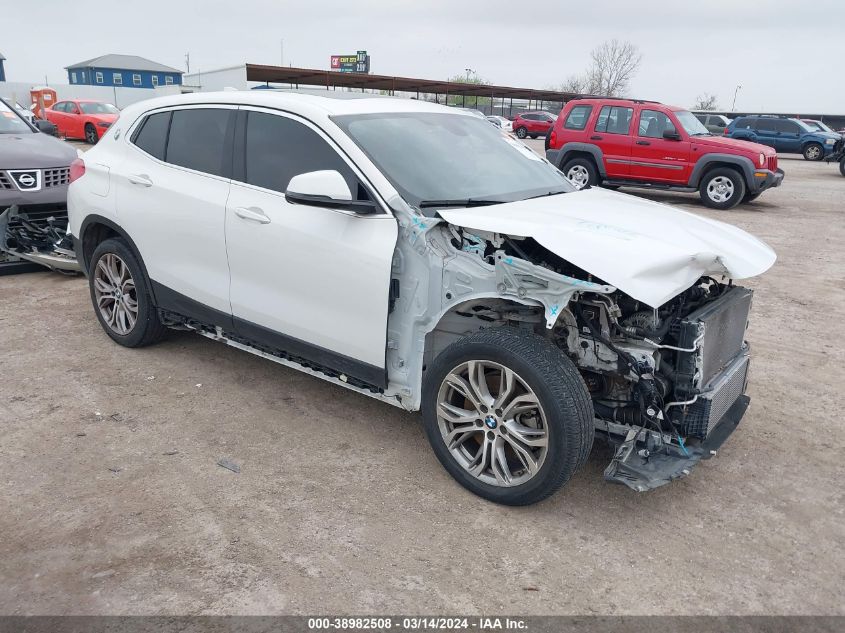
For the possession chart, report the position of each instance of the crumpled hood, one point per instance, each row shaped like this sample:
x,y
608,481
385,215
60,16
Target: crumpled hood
x,y
36,150
648,250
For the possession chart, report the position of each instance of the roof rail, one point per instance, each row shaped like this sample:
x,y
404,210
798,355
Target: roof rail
x,y
613,99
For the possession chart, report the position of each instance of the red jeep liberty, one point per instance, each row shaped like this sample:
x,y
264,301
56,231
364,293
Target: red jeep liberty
x,y
633,143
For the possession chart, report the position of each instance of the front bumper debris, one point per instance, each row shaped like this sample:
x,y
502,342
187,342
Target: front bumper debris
x,y
37,235
642,469
766,179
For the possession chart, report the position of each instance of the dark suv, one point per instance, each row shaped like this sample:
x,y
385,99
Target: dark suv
x,y
34,176
785,135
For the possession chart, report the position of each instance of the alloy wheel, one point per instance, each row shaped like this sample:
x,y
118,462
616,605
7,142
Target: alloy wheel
x,y
578,176
813,152
90,135
115,294
492,423
720,189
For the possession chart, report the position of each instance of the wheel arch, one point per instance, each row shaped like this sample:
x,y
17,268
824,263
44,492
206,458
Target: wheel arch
x,y
573,150
708,162
94,230
463,317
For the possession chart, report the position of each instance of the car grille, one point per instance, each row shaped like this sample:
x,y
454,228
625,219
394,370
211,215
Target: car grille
x,y
51,177
705,413
56,177
772,163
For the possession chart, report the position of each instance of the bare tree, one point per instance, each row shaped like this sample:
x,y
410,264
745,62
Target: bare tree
x,y
578,84
613,65
706,101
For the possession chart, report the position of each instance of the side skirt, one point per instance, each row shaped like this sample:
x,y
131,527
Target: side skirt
x,y
341,380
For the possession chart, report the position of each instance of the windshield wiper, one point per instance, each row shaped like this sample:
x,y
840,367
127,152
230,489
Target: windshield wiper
x,y
466,202
548,193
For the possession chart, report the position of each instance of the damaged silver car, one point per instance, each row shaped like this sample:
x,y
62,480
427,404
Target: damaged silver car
x,y
34,176
418,255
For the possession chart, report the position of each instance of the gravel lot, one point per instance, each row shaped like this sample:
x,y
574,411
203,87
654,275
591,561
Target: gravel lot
x,y
113,503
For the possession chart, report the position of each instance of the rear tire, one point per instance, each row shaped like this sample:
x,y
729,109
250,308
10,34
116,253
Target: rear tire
x,y
722,188
91,134
120,295
581,172
842,166
521,132
813,152
507,456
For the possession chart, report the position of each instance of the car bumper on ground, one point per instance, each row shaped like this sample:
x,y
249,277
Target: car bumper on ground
x,y
642,470
765,179
36,234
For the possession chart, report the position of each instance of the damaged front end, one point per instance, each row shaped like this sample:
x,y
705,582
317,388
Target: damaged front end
x,y
36,234
667,383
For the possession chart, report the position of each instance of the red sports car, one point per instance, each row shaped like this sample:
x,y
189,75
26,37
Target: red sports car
x,y
82,118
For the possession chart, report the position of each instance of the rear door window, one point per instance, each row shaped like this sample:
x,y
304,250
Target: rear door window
x,y
614,120
152,134
197,139
577,117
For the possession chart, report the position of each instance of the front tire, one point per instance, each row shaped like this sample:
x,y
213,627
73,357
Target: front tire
x,y
722,188
813,152
521,132
842,166
508,415
122,301
91,134
581,172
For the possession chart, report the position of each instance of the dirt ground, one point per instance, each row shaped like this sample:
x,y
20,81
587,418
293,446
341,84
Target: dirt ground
x,y
112,501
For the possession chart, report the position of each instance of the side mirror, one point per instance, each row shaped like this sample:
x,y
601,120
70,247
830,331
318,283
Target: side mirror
x,y
326,188
671,135
46,127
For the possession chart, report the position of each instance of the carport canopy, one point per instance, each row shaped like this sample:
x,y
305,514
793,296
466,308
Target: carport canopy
x,y
333,79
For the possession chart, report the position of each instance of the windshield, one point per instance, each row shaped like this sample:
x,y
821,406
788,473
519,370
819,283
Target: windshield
x,y
817,126
98,108
691,124
11,122
433,156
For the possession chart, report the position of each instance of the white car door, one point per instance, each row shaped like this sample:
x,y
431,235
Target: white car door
x,y
172,202
311,281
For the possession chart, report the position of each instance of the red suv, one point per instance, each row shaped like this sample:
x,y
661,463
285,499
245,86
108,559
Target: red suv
x,y
620,142
533,124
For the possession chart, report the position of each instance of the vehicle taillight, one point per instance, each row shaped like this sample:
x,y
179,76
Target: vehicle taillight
x,y
725,132
77,169
552,138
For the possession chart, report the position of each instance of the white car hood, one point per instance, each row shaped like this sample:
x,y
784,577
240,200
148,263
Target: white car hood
x,y
648,250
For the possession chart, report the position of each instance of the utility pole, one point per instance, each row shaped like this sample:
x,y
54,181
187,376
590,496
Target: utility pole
x,y
282,53
469,70
187,63
733,105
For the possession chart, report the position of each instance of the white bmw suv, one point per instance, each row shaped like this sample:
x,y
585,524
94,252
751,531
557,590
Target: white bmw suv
x,y
416,254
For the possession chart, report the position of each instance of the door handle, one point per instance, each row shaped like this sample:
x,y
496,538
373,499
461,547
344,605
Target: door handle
x,y
596,137
252,213
643,142
140,179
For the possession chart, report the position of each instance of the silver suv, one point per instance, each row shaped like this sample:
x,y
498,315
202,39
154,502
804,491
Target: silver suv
x,y
34,176
417,254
